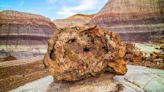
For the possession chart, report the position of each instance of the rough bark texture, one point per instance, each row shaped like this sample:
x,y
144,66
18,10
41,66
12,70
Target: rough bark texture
x,y
24,31
134,20
19,72
76,54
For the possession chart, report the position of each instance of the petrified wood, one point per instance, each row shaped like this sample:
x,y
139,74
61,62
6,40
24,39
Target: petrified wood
x,y
19,72
76,54
133,54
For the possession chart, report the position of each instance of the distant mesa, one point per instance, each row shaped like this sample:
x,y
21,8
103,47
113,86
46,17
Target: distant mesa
x,y
81,16
134,20
24,32
75,20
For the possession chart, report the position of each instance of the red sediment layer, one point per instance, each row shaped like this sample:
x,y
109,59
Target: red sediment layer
x,y
131,17
23,40
122,21
18,28
140,37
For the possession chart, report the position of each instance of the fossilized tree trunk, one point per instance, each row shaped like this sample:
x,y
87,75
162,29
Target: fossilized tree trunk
x,y
76,54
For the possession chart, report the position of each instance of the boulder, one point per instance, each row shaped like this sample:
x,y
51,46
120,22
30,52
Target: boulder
x,y
75,54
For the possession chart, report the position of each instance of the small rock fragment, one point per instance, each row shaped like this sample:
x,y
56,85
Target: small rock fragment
x,y
133,54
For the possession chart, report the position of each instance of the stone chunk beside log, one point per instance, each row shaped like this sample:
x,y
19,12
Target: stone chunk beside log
x,y
74,54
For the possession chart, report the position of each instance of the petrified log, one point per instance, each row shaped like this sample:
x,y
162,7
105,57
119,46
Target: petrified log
x,y
76,54
134,20
19,72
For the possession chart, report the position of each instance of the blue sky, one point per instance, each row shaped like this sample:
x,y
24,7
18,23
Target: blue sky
x,y
54,9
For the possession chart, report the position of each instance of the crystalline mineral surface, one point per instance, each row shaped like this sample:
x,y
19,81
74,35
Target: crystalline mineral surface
x,y
75,54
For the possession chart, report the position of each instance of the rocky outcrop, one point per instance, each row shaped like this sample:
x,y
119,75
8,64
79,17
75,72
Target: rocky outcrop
x,y
137,79
134,20
75,20
103,83
141,79
76,54
24,31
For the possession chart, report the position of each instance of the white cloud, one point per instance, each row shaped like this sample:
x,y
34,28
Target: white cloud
x,y
66,12
84,5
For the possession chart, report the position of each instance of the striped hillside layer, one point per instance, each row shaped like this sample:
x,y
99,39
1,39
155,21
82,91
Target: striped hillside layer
x,y
24,31
134,20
